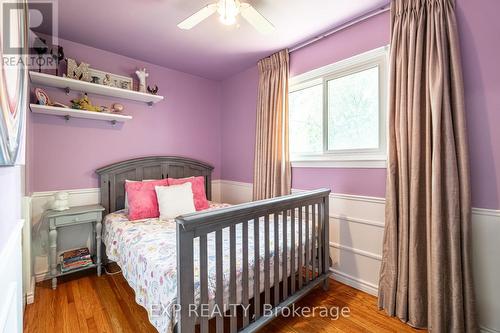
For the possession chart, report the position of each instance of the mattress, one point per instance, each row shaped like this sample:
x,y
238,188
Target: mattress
x,y
146,252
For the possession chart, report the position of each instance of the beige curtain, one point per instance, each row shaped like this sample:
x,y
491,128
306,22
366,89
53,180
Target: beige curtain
x,y
272,171
425,277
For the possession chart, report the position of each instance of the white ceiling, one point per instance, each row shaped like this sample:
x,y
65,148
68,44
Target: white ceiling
x,y
147,30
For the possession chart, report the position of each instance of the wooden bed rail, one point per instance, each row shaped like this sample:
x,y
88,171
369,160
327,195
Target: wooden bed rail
x,y
303,220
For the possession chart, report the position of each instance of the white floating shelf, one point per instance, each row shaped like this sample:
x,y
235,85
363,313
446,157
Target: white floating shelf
x,y
68,113
92,88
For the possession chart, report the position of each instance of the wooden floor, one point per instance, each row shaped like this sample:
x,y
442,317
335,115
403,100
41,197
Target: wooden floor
x,y
87,303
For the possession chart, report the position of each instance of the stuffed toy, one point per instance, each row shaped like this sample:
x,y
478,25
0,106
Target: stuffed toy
x,y
84,103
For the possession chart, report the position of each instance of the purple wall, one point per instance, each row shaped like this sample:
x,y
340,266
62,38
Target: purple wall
x,y
362,37
215,121
64,155
478,29
239,97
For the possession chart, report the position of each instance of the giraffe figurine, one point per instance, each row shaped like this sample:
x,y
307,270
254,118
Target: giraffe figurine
x,y
142,75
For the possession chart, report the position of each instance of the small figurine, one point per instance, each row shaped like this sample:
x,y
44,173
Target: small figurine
x,y
153,91
107,80
84,104
142,75
60,201
125,85
40,47
57,57
117,107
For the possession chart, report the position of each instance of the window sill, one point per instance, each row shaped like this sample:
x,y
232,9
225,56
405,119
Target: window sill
x,y
329,163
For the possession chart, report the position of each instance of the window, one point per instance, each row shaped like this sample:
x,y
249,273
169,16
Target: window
x,y
338,113
308,122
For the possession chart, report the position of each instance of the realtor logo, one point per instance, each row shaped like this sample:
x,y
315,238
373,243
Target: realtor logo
x,y
34,41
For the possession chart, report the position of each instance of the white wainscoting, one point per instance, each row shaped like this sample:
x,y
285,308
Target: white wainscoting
x,y
356,233
216,191
11,293
28,277
486,265
235,192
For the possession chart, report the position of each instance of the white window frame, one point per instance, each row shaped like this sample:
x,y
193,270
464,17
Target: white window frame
x,y
352,158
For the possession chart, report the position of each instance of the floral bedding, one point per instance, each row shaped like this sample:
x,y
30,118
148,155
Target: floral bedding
x,y
146,252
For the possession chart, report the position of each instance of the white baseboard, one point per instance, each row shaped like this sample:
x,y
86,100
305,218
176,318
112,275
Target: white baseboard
x,y
30,295
484,329
42,276
355,282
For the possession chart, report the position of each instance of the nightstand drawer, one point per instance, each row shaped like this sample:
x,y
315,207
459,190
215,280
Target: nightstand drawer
x,y
76,219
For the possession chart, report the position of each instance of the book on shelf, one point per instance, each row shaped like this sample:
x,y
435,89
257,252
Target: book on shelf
x,y
76,253
75,259
68,269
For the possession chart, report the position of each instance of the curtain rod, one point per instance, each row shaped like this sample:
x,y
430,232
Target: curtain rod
x,y
343,26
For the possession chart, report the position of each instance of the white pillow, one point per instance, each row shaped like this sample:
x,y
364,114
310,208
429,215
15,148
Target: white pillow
x,y
175,200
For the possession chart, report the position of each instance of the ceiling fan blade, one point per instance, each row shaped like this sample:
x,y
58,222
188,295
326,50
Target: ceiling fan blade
x,y
253,17
197,17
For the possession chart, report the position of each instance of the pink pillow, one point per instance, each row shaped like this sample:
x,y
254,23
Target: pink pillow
x,y
142,201
198,186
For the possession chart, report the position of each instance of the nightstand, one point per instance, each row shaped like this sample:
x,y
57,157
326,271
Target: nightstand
x,y
91,214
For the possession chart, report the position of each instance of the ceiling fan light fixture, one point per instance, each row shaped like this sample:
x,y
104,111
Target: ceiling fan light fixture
x,y
228,10
227,20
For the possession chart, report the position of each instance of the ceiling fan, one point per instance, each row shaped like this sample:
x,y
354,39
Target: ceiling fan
x,y
228,10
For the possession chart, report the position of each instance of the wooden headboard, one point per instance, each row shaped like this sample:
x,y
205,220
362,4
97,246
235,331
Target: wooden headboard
x,y
112,177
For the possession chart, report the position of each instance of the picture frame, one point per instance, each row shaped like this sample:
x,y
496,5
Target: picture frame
x,y
117,81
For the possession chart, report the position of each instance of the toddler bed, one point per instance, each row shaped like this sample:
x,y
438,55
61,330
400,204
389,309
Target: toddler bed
x,y
187,270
